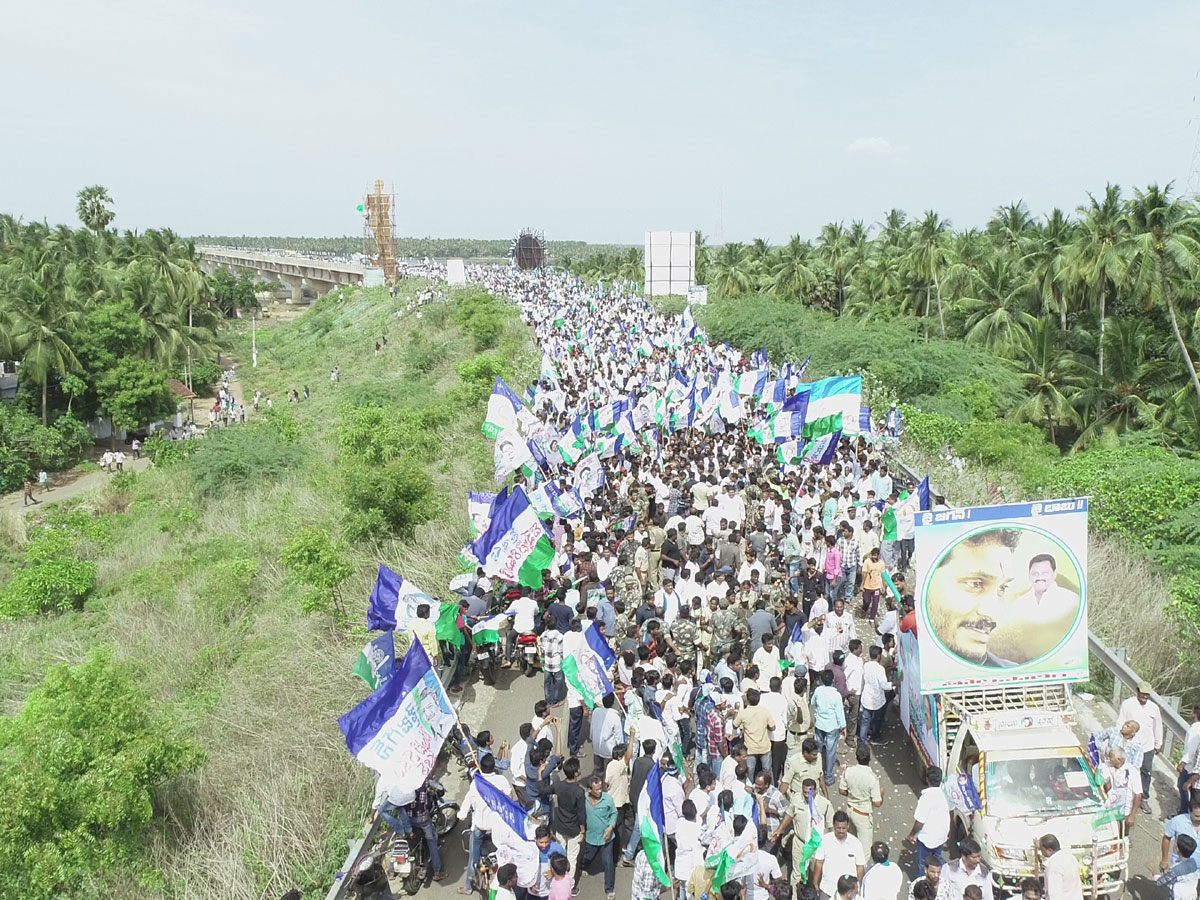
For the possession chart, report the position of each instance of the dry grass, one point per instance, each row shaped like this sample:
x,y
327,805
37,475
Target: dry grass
x,y
12,529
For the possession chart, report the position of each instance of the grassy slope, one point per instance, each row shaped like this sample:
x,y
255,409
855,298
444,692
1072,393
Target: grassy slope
x,y
191,591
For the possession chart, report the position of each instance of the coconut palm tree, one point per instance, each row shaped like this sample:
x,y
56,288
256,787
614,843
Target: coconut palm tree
x,y
1053,375
1138,379
791,274
734,273
1164,252
928,257
1047,258
998,313
1097,255
41,314
837,252
1011,226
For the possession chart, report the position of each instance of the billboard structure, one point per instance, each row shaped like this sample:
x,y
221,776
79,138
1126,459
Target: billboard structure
x,y
1002,595
670,262
456,272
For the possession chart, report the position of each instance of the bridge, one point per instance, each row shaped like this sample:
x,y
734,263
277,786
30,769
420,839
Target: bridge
x,y
321,275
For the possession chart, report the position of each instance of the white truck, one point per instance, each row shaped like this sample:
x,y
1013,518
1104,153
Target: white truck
x,y
1014,769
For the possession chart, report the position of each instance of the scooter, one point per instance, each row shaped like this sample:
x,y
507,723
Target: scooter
x,y
527,653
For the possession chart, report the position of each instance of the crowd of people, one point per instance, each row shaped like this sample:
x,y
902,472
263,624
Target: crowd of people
x,y
752,602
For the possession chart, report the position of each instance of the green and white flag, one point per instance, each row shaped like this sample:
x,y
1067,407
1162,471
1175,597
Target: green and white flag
x,y
833,405
488,631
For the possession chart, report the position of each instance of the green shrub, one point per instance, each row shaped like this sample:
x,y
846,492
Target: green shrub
x,y
482,316
205,373
394,497
1020,448
14,469
241,456
373,434
56,575
911,366
1135,492
79,765
165,453
320,563
420,355
931,431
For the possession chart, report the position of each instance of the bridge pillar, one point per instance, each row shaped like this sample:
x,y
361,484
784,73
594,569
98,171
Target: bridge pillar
x,y
296,283
321,287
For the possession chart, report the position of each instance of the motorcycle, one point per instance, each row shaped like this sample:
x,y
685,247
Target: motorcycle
x,y
406,856
527,653
368,880
490,656
488,863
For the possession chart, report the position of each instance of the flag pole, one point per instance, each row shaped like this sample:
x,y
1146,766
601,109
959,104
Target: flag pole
x,y
457,721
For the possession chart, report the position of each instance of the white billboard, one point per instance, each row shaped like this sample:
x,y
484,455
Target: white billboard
x,y
456,272
670,262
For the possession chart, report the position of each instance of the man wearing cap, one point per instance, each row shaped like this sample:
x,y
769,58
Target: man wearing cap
x,y
1141,709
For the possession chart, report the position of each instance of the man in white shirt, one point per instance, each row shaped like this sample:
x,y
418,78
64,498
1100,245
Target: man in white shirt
x,y
840,854
766,658
482,817
774,702
931,821
1141,709
524,610
667,599
1061,869
883,879
1123,787
1189,766
873,699
839,627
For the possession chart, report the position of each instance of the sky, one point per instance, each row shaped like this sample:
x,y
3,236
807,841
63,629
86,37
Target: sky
x,y
589,121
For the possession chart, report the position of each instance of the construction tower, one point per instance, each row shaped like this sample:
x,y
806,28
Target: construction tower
x,y
379,231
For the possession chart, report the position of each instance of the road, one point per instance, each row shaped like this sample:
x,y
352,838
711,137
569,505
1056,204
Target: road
x,y
503,708
65,485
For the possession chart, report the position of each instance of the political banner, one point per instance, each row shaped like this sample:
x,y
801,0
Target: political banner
x,y
1002,594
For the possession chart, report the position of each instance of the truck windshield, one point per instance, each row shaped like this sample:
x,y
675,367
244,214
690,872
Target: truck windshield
x,y
1038,782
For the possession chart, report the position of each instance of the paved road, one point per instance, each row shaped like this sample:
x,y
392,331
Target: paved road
x,y
504,707
63,489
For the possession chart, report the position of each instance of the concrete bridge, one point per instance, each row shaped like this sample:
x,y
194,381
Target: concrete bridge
x,y
321,275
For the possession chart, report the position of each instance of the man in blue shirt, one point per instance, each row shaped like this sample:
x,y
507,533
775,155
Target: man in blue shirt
x,y
1185,823
829,721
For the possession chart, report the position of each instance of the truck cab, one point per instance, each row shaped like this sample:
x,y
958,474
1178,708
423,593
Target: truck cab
x,y
1014,769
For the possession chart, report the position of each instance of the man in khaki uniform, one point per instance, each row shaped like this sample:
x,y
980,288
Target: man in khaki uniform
x,y
800,765
657,536
864,794
807,809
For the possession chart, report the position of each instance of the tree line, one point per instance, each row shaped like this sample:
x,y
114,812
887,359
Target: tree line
x,y
1096,310
96,320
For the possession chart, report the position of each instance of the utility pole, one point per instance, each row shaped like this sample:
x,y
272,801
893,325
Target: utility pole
x,y
189,352
253,339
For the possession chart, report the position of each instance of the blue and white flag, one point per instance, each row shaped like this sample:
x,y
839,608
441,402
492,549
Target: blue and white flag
x,y
398,730
394,601
799,373
599,646
821,450
479,511
507,810
864,420
504,410
589,476
653,820
759,358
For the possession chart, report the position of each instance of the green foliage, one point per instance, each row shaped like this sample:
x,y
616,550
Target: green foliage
x,y
1137,493
478,378
421,355
234,292
377,434
319,562
241,456
56,576
165,453
27,446
911,367
1020,448
391,498
79,765
930,430
482,316
283,421
134,394
205,373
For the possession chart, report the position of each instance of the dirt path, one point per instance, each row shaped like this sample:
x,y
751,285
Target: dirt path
x,y
64,487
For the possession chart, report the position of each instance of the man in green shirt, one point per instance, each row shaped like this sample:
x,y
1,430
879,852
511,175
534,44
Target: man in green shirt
x,y
864,794
598,837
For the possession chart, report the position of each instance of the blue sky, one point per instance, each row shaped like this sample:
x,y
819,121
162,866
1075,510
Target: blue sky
x,y
592,121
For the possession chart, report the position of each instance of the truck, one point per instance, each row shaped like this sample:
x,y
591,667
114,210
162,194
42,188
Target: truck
x,y
1013,770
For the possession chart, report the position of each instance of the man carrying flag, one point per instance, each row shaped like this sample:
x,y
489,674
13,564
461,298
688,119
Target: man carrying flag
x,y
492,808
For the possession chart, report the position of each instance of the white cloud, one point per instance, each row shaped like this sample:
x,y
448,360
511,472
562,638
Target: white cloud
x,y
871,146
